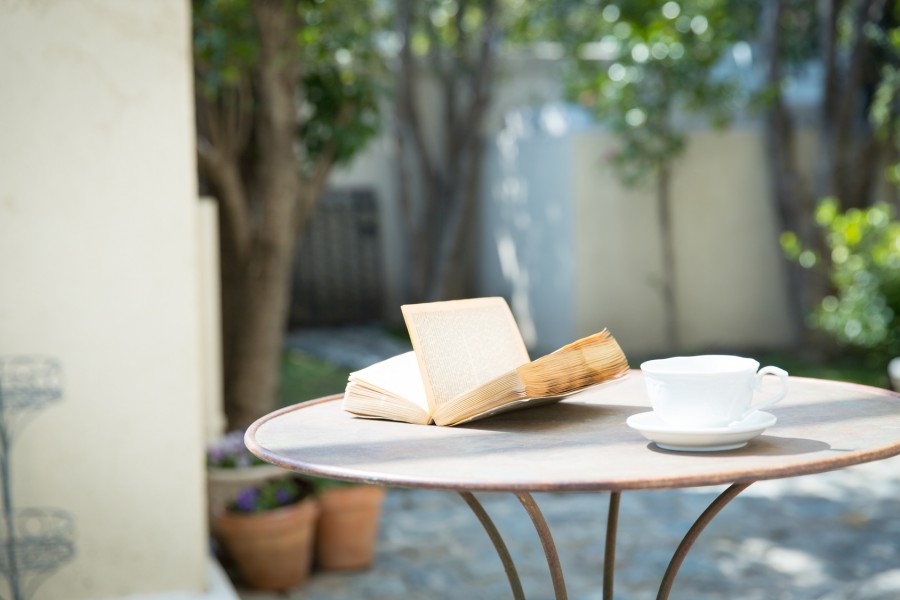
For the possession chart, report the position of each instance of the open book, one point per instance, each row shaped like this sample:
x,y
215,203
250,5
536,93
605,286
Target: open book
x,y
469,361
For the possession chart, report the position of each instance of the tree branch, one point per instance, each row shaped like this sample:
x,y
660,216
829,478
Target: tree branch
x,y
853,133
407,113
239,112
219,165
277,118
314,183
792,198
481,90
451,83
828,15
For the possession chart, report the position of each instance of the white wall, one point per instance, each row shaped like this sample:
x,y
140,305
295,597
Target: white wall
x,y
730,286
618,254
576,250
99,269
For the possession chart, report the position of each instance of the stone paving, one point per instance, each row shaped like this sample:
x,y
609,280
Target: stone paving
x,y
832,536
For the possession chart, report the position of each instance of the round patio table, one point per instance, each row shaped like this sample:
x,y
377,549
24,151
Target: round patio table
x,y
580,444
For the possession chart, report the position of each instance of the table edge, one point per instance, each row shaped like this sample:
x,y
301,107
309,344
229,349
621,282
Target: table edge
x,y
740,476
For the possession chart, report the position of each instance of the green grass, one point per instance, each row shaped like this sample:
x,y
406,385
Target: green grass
x,y
855,370
304,377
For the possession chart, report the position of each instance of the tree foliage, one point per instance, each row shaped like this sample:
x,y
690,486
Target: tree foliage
x,y
885,109
853,45
642,64
863,251
860,253
339,67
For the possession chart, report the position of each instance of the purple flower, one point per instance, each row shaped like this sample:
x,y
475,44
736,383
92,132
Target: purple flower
x,y
283,496
246,500
229,452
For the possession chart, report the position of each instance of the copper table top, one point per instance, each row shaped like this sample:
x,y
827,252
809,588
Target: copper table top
x,y
579,444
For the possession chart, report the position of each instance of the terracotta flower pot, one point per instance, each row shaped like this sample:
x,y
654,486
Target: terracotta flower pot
x,y
272,550
348,527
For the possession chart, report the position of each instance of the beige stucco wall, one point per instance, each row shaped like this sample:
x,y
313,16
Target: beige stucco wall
x,y
99,264
730,286
617,251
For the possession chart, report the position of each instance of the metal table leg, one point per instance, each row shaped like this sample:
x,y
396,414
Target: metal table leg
x,y
540,525
499,545
543,531
609,555
693,533
609,559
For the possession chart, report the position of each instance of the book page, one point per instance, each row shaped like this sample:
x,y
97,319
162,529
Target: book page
x,y
390,389
585,362
397,376
462,344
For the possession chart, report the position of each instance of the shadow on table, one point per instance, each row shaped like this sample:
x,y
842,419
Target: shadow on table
x,y
764,445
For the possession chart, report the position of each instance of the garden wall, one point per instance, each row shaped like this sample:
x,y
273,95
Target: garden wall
x,y
730,285
576,250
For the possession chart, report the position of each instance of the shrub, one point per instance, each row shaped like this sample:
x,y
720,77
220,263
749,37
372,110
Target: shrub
x,y
864,269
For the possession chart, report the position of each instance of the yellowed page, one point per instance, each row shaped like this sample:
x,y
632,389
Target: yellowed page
x,y
585,362
390,389
462,344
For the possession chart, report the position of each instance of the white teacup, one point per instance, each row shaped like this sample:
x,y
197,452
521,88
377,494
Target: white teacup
x,y
707,391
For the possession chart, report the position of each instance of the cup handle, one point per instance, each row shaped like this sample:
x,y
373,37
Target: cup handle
x,y
757,385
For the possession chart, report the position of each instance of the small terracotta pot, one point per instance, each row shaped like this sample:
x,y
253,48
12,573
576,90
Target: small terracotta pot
x,y
272,550
348,527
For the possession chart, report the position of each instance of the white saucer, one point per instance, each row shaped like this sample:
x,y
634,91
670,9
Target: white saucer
x,y
712,439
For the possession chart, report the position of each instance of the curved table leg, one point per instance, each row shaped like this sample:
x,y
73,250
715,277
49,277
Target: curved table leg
x,y
609,555
499,545
540,525
693,533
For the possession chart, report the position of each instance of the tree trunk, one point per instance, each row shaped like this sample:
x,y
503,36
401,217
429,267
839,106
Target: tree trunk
x,y
262,276
454,249
258,319
667,245
793,199
463,259
848,152
415,169
263,206
437,219
859,153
